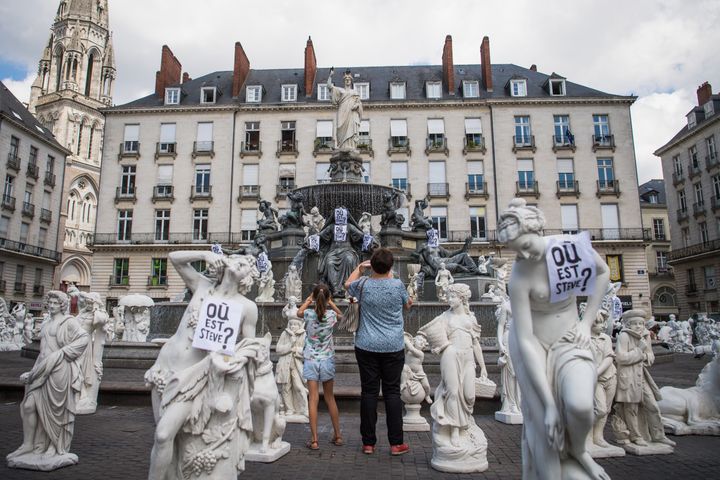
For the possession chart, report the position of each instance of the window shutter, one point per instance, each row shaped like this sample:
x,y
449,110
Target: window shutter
x,y
398,128
472,125
165,174
205,132
167,133
565,165
569,218
132,133
324,128
525,165
364,126
248,219
399,169
436,125
475,168
287,170
250,175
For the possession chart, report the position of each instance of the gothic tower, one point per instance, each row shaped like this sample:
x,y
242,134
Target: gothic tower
x,y
75,80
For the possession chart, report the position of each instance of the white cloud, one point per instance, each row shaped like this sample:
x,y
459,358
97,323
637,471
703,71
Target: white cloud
x,y
20,88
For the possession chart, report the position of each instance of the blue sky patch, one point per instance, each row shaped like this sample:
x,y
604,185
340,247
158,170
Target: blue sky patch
x,y
12,70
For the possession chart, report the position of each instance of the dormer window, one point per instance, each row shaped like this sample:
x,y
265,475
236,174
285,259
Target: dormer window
x,y
471,89
208,94
397,90
557,87
652,197
518,87
323,94
289,93
692,121
172,96
709,108
364,90
433,89
253,94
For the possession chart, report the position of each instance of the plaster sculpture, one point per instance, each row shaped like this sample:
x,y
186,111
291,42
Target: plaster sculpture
x,y
95,321
266,286
443,280
459,445
550,348
706,333
28,328
349,112
314,222
414,385
412,287
509,389
365,223
201,400
7,329
268,425
288,373
483,264
18,312
637,426
293,283
136,317
604,356
677,340
118,322
51,392
694,410
611,303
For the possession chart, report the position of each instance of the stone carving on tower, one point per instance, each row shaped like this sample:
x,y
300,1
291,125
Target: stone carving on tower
x,y
76,76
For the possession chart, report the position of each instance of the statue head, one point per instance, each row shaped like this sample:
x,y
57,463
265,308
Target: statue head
x,y
420,341
92,300
459,294
600,322
348,79
521,229
237,269
634,320
442,265
292,300
314,211
57,302
672,317
294,324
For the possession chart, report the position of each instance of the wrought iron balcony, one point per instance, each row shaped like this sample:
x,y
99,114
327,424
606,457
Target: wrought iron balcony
x,y
119,281
13,162
527,189
323,146
8,203
694,170
605,234
691,289
282,190
524,142
3,285
459,236
20,287
50,179
13,246
28,210
714,203
399,145
563,142
251,149
365,146
203,149
39,290
436,145
567,188
678,178
33,171
698,209
201,192
712,162
249,192
600,142
693,250
172,237
287,147
160,281
129,149
476,143
45,215
608,187
125,195
165,149
438,190
682,214
478,189
163,193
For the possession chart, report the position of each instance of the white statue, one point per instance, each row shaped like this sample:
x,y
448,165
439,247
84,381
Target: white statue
x,y
443,280
414,385
510,390
349,114
412,287
293,283
134,310
612,304
706,333
289,370
494,294
483,263
365,223
459,445
602,349
314,223
7,329
19,311
694,410
677,340
550,349
51,392
268,425
95,321
28,328
266,287
201,400
637,426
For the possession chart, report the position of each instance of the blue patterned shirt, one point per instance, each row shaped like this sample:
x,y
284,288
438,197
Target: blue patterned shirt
x,y
381,314
319,335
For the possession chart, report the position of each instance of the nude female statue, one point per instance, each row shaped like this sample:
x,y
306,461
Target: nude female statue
x,y
551,350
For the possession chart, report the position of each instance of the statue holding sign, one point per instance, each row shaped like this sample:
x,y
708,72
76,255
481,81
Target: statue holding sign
x,y
339,251
198,396
551,353
349,113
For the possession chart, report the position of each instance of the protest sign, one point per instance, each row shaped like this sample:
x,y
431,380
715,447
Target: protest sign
x,y
314,242
262,262
341,216
340,233
216,248
367,242
571,265
218,325
433,238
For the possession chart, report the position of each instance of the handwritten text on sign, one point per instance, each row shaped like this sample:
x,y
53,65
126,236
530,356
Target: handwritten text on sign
x,y
571,265
218,325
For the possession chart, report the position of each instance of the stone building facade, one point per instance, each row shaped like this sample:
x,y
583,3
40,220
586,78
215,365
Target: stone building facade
x,y
75,80
187,165
691,168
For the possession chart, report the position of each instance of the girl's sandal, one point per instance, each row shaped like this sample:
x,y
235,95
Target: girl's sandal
x,y
338,441
312,445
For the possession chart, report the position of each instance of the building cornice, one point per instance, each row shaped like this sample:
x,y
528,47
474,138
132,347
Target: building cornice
x,y
70,97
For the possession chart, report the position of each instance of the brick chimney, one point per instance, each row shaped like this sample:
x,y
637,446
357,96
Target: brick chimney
x,y
704,92
448,67
241,70
310,67
485,64
169,74
186,77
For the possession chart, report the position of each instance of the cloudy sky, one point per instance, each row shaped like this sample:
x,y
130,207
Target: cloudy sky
x,y
658,50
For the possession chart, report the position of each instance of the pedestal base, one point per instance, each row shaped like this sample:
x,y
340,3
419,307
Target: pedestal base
x,y
650,449
413,421
509,418
458,466
269,455
296,418
44,463
597,451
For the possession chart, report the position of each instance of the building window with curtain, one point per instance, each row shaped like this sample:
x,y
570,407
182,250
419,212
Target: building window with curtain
x,y
200,224
436,135
473,140
398,134
399,175
438,215
324,136
477,223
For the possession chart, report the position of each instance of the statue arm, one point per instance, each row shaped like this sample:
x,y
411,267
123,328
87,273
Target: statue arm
x,y
625,354
249,320
477,350
502,322
284,344
182,262
602,277
78,340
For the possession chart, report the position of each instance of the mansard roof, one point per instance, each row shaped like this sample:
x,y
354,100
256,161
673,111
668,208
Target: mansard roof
x,y
379,78
12,109
654,185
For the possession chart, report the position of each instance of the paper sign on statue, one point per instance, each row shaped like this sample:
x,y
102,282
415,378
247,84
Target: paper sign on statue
x,y
433,238
262,262
218,325
340,233
341,216
314,242
216,248
367,242
571,265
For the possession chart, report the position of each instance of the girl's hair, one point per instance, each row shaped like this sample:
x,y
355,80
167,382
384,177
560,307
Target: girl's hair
x,y
321,295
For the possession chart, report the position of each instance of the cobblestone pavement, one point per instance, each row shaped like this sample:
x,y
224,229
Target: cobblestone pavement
x,y
115,443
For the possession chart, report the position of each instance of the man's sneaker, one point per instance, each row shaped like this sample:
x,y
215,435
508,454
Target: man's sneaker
x,y
399,449
368,449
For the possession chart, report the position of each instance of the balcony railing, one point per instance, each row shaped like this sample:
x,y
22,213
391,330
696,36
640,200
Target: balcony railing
x,y
248,191
436,145
567,188
527,189
711,162
692,250
287,147
475,190
20,287
8,203
399,145
251,149
50,179
119,281
125,195
714,203
39,290
691,289
682,214
13,246
604,234
157,281
162,193
33,171
203,149
435,190
201,192
403,188
524,142
563,142
28,210
165,149
694,171
322,146
608,187
600,142
13,162
678,178
458,236
45,215
282,190
698,209
365,146
129,149
172,238
476,145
